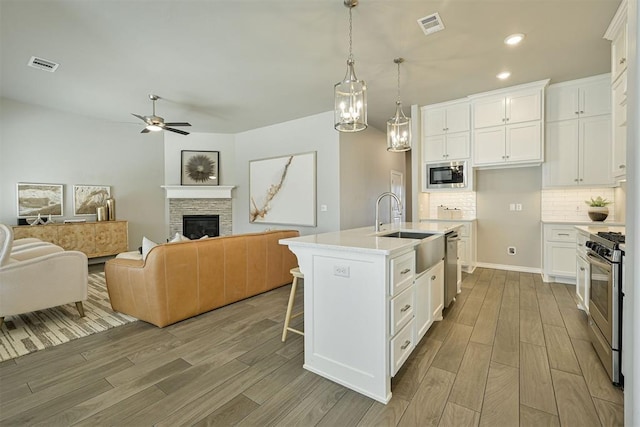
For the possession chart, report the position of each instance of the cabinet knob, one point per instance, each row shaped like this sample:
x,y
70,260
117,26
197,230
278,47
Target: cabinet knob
x,y
621,167
577,112
623,60
581,179
433,277
405,308
581,111
405,345
581,268
575,180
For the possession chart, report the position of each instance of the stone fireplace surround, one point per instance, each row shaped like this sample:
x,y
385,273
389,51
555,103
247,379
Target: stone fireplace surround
x,y
200,200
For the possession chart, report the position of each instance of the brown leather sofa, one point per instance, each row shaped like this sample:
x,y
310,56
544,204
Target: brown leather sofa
x,y
184,279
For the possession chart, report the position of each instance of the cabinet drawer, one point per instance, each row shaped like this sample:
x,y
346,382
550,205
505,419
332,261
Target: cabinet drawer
x,y
401,310
581,243
562,235
402,270
401,346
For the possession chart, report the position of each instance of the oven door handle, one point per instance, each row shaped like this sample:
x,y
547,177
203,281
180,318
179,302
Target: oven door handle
x,y
594,259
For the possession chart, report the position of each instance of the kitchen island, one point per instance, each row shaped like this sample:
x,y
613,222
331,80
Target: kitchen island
x,y
364,307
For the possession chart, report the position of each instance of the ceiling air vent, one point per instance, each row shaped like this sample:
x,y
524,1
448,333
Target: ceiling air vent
x,y
431,24
42,64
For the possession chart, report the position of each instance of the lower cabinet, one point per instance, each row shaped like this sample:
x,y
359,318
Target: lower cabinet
x,y
559,259
429,298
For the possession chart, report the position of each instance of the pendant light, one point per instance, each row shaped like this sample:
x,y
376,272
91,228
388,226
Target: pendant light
x,y
398,126
350,111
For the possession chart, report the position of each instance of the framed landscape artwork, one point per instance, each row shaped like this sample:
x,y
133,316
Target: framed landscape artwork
x,y
282,190
43,199
86,198
199,167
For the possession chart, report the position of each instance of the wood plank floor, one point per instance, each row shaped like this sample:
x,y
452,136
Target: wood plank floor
x,y
510,351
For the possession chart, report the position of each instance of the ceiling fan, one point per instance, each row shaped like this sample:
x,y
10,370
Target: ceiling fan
x,y
157,123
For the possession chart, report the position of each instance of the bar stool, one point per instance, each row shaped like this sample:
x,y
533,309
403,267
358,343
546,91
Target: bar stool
x,y
292,296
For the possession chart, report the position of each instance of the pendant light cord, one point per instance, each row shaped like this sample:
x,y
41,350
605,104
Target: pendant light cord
x,y
350,34
398,99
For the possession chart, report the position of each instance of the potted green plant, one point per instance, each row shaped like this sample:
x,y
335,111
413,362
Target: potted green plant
x,y
598,210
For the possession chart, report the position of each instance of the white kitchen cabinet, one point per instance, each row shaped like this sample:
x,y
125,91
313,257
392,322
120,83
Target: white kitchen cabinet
x,y
586,97
429,298
559,257
446,131
578,152
505,145
617,33
507,126
583,273
619,144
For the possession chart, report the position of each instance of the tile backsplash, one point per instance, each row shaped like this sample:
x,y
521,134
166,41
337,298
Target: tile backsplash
x,y
568,204
463,200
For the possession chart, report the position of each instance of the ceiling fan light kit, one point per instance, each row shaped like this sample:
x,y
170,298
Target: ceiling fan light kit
x,y
157,123
398,126
350,94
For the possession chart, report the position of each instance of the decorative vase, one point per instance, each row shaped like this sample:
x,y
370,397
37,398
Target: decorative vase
x,y
102,213
111,209
598,213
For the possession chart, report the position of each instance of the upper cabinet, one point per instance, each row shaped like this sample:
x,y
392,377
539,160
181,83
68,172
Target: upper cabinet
x,y
446,132
579,98
617,34
507,126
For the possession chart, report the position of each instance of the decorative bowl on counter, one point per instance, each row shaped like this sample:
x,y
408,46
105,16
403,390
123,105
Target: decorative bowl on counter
x,y
598,213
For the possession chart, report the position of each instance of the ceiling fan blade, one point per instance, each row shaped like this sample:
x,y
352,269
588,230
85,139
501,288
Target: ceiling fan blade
x,y
177,131
143,118
145,130
178,124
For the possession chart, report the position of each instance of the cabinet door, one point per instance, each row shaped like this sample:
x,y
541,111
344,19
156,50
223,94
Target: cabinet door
x,y
595,98
463,250
523,142
436,291
523,107
433,148
595,150
619,150
458,146
560,167
434,121
457,119
489,146
423,312
560,259
619,53
562,103
489,112
582,283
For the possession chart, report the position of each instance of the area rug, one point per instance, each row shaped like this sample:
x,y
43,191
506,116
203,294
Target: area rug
x,y
38,330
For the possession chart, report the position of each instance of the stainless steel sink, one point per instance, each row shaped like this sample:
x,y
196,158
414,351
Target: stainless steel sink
x,y
430,250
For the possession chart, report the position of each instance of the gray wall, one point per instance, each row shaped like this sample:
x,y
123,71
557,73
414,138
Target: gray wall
x,y
365,168
498,227
313,133
42,145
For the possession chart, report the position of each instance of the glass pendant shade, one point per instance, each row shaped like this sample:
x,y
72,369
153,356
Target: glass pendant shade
x,y
350,95
399,131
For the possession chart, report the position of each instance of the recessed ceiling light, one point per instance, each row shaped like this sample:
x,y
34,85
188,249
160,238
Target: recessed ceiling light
x,y
504,75
514,39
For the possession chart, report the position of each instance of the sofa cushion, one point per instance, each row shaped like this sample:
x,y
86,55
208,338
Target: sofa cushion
x,y
147,245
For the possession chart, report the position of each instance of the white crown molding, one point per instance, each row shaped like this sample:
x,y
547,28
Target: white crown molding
x,y
198,191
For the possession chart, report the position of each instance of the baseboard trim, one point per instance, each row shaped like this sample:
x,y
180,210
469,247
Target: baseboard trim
x,y
518,268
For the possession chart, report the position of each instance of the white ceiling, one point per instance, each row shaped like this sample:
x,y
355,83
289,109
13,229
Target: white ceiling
x,y
230,66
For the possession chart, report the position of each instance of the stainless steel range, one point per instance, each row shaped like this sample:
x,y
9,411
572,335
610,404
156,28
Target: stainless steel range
x,y
605,300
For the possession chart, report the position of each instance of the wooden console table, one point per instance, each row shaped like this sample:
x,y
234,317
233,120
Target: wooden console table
x,y
96,239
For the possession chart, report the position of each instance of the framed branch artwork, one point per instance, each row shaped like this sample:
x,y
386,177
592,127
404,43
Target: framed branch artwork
x,y
87,198
282,190
42,199
199,167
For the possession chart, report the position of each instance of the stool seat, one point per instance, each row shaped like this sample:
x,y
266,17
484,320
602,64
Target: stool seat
x,y
297,274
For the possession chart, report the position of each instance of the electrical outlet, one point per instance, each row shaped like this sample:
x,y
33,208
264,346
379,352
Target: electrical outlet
x,y
518,206
341,270
511,250
512,206
323,208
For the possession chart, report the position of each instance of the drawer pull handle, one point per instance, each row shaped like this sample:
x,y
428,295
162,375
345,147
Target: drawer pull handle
x,y
621,167
563,234
405,271
405,308
405,345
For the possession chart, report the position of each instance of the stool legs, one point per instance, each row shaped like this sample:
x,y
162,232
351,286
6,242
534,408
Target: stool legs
x,y
288,316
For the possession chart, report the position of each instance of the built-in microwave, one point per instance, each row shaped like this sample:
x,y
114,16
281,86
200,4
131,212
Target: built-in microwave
x,y
446,175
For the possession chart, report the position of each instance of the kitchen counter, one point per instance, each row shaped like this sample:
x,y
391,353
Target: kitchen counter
x,y
365,306
595,227
585,223
366,239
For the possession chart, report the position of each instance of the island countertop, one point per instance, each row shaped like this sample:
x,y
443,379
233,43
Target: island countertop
x,y
366,239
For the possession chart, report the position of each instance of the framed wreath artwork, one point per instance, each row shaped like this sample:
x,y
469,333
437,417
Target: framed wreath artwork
x,y
200,167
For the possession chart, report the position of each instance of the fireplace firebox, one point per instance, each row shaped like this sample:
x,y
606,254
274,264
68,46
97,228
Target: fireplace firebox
x,y
197,226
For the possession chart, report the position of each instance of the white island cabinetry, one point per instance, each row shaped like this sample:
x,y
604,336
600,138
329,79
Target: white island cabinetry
x,y
364,307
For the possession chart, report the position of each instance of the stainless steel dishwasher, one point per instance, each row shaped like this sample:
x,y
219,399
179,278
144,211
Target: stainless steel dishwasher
x,y
450,267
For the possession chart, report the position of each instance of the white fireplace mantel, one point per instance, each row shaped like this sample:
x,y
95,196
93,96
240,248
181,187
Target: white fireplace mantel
x,y
198,191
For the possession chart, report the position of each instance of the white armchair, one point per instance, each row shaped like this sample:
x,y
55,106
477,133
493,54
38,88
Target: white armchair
x,y
40,276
